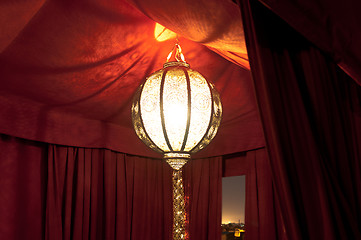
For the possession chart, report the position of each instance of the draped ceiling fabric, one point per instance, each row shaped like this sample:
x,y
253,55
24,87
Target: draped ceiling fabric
x,y
69,69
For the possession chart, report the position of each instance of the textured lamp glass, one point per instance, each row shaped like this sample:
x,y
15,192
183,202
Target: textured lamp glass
x,y
176,111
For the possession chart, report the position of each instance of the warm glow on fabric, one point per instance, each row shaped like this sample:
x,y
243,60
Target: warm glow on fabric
x,y
162,34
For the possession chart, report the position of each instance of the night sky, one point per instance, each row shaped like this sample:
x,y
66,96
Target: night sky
x,y
233,199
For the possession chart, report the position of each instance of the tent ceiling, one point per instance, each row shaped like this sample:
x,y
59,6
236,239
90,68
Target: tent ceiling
x,y
69,68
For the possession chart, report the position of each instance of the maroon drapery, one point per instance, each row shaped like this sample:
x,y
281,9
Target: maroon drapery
x,y
262,216
203,186
311,116
331,25
101,194
22,188
60,192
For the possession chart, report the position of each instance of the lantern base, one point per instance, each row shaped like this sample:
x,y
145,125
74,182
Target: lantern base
x,y
177,160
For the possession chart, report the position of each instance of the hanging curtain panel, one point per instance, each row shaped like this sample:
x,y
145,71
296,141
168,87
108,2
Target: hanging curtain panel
x,y
310,111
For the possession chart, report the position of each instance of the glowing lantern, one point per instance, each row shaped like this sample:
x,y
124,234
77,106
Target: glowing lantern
x,y
176,112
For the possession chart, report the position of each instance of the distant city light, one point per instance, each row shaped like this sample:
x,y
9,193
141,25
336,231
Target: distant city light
x,y
233,199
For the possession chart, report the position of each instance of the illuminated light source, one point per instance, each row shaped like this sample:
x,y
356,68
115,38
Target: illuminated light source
x,y
176,112
162,34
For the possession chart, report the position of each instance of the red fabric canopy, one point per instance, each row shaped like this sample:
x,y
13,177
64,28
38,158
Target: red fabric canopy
x,y
69,69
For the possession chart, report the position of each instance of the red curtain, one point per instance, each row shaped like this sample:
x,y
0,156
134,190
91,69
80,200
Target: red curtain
x,y
262,216
101,194
331,26
22,188
60,192
203,187
311,116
